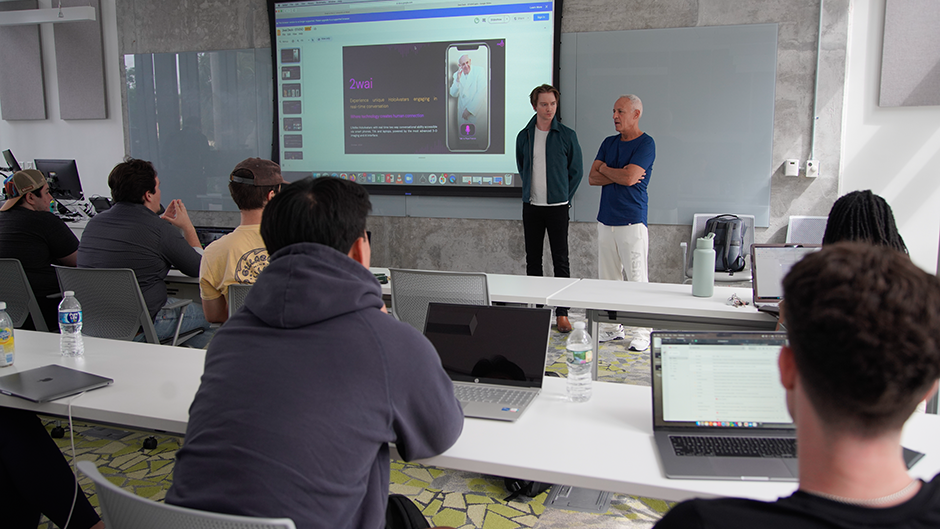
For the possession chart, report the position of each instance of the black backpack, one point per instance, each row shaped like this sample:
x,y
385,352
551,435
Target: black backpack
x,y
520,487
402,513
729,242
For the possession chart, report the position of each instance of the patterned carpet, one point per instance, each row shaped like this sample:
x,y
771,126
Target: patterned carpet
x,y
447,497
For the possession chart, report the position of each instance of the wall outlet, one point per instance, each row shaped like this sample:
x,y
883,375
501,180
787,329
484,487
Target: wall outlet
x,y
791,167
812,168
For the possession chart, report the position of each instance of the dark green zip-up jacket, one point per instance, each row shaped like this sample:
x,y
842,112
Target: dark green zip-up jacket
x,y
563,166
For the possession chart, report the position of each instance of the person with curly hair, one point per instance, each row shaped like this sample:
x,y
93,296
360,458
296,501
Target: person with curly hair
x,y
864,350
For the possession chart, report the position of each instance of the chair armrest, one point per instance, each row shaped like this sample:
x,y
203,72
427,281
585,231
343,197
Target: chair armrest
x,y
180,303
685,254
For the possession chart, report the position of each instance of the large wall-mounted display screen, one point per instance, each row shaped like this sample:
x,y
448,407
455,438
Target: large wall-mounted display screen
x,y
409,97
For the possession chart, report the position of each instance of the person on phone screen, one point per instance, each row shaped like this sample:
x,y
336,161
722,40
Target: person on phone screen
x,y
469,87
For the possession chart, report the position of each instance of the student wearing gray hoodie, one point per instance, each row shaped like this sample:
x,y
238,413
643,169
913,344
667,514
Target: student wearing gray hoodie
x,y
305,386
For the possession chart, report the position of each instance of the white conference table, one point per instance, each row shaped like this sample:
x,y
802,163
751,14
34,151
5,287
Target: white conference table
x,y
155,384
503,287
508,288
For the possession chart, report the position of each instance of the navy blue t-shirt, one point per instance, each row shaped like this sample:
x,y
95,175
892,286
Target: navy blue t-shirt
x,y
622,205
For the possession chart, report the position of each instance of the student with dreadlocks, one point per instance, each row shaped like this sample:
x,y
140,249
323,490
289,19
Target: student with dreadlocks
x,y
863,216
859,216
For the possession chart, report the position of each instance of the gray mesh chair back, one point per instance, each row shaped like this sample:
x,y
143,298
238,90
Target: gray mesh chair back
x,y
18,295
803,229
236,297
121,509
412,290
112,304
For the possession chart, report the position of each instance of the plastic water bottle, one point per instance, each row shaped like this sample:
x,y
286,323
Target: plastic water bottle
x,y
70,325
703,267
6,336
580,356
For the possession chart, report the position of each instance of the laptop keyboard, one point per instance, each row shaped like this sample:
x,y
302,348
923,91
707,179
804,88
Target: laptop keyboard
x,y
477,393
734,446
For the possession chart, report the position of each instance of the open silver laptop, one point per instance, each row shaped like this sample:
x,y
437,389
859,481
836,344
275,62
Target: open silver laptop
x,y
719,410
769,265
495,355
50,382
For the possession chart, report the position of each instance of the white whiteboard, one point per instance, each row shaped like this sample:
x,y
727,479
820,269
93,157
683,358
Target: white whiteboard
x,y
708,102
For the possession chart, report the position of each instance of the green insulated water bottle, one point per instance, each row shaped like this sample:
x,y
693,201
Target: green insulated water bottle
x,y
703,267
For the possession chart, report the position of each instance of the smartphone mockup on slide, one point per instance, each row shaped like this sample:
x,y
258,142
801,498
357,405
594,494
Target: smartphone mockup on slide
x,y
467,66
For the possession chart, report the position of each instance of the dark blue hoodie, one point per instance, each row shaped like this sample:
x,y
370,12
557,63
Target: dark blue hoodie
x,y
303,390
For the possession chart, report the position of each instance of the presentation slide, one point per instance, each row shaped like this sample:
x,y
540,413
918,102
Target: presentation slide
x,y
409,97
406,98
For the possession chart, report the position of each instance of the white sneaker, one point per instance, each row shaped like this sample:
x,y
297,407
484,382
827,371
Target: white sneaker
x,y
640,343
615,334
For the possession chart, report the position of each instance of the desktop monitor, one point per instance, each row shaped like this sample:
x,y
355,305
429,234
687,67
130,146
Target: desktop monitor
x,y
12,165
63,178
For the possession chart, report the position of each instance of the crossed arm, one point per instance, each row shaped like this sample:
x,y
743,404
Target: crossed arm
x,y
601,174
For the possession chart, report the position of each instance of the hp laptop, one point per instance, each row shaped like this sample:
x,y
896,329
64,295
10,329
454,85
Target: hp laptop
x,y
770,264
719,410
494,355
50,382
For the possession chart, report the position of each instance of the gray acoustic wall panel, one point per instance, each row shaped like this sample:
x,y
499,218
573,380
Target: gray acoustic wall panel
x,y
22,95
79,59
910,60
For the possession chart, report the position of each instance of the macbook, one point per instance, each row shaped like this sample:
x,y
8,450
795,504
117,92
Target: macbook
x,y
50,382
495,355
770,264
719,410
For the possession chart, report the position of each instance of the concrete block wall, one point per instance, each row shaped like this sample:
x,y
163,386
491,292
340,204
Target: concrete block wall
x,y
497,246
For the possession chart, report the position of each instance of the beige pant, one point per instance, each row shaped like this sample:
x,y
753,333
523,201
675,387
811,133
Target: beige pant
x,y
623,251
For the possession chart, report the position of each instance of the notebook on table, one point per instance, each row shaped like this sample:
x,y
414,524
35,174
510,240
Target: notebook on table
x,y
769,265
719,410
494,355
50,382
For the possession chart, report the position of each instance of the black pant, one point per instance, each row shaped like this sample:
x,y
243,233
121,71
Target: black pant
x,y
535,221
35,478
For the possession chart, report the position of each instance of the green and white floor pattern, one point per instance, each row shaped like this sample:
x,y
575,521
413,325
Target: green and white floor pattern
x,y
447,497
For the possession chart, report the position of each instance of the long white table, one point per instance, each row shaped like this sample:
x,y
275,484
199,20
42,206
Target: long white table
x,y
510,288
153,384
555,441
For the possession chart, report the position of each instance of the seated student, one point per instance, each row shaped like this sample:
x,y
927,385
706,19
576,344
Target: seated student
x,y
35,479
863,216
36,237
864,349
132,235
307,384
239,256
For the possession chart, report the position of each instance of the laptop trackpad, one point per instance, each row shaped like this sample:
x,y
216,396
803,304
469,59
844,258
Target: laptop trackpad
x,y
748,467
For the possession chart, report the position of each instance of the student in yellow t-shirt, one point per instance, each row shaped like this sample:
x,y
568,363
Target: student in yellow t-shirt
x,y
239,256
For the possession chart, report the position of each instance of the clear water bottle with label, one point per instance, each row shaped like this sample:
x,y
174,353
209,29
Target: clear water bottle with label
x,y
6,336
70,325
580,356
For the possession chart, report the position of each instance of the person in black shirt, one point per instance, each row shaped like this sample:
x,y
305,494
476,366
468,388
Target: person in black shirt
x,y
36,237
863,324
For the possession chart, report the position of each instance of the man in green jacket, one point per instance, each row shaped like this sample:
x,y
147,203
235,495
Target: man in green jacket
x,y
549,161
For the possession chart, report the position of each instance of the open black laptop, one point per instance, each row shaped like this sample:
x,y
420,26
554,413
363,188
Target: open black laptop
x,y
50,382
208,234
494,355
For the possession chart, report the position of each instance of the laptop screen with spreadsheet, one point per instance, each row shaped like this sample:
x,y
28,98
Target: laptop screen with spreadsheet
x,y
718,379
